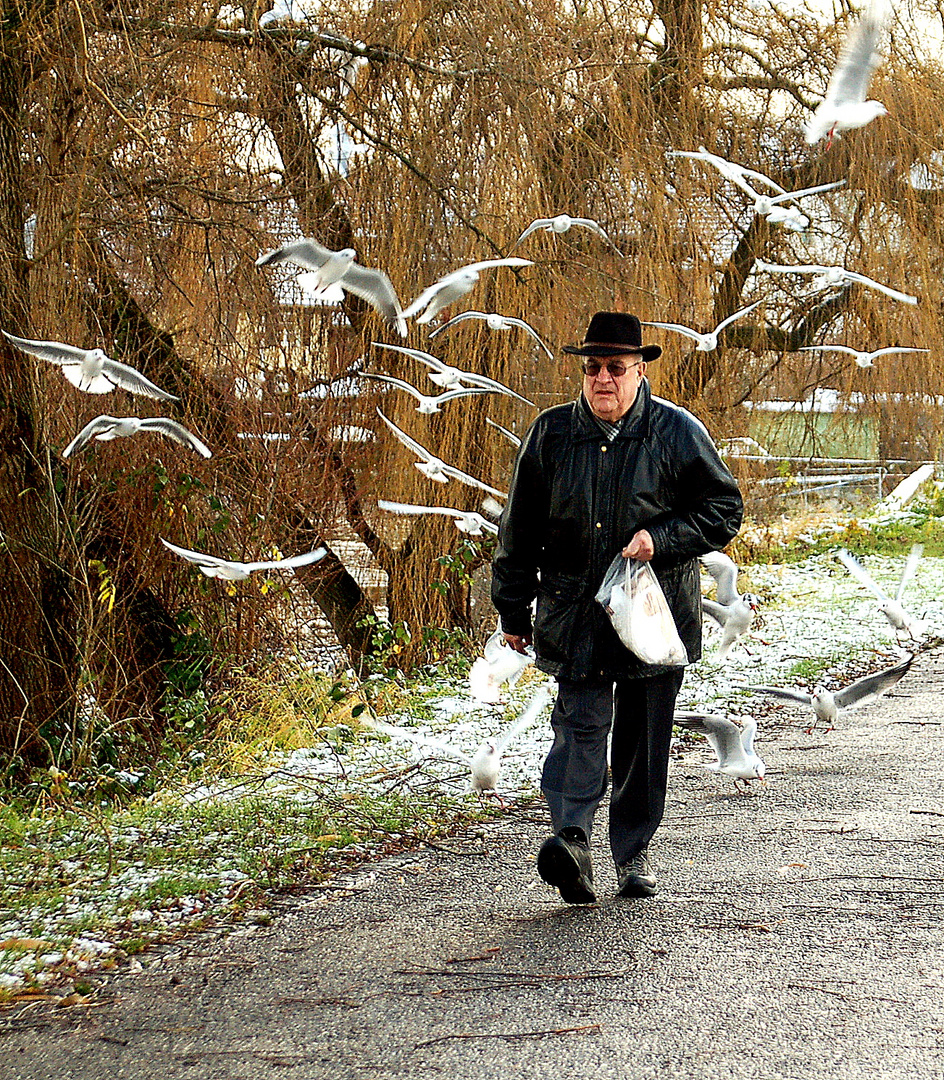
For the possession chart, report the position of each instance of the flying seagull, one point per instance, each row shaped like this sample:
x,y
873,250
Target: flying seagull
x,y
339,268
498,664
891,608
733,745
453,287
452,378
835,275
494,321
427,404
561,224
90,369
862,357
435,468
485,765
731,611
705,342
765,205
107,427
827,705
845,105
239,571
467,521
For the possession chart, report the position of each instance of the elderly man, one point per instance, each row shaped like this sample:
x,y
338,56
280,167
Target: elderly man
x,y
615,470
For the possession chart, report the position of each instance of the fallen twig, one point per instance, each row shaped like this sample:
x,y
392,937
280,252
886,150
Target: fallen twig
x,y
508,1035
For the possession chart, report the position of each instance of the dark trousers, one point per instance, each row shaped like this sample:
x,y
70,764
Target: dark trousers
x,y
574,780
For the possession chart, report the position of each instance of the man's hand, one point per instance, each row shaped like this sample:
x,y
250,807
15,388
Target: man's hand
x,y
640,547
520,643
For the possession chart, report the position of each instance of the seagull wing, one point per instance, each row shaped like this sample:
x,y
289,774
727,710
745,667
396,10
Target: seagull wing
x,y
530,715
893,349
411,444
464,478
787,695
509,435
724,570
308,254
597,228
464,391
376,289
165,426
678,328
789,196
94,427
861,574
210,562
849,82
401,384
716,611
130,379
530,331
868,689
485,264
288,564
905,298
723,735
830,348
410,508
417,354
54,351
908,571
730,319
442,748
538,223
799,268
458,319
484,381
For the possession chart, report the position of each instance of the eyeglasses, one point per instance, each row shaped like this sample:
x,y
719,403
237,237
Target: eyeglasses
x,y
616,369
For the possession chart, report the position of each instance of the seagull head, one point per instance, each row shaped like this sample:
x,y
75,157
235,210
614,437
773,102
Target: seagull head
x,y
561,223
752,601
494,321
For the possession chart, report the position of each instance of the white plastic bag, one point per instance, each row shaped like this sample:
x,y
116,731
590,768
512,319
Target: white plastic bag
x,y
633,598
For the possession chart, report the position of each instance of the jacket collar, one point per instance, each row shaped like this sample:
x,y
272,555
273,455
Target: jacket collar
x,y
635,424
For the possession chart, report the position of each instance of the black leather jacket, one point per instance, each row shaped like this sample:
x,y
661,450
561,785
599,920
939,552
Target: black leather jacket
x,y
576,499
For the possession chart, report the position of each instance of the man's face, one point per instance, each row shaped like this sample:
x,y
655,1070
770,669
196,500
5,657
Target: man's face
x,y
611,396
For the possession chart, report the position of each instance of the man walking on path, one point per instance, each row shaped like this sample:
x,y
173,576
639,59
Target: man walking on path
x,y
615,470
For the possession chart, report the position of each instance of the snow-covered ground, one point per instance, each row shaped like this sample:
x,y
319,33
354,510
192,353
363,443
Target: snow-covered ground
x,y
816,624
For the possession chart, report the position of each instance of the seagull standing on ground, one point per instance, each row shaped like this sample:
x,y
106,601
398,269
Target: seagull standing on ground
x,y
447,290
106,427
339,268
494,321
705,342
561,224
828,705
731,611
485,765
230,570
891,608
733,745
845,105
835,275
90,370
862,358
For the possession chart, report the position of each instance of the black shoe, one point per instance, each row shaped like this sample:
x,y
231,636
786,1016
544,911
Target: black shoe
x,y
636,878
564,862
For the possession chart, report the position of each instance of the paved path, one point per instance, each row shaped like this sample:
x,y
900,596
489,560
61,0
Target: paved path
x,y
799,933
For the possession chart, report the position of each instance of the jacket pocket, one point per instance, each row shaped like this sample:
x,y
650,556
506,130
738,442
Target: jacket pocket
x,y
561,603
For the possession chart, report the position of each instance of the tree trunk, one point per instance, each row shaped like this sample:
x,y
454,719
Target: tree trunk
x,y
38,655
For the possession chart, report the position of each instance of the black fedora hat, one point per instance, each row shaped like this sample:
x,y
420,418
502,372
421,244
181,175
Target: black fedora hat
x,y
611,333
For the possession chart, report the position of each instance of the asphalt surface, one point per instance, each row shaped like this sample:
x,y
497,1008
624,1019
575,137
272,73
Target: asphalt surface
x,y
798,933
